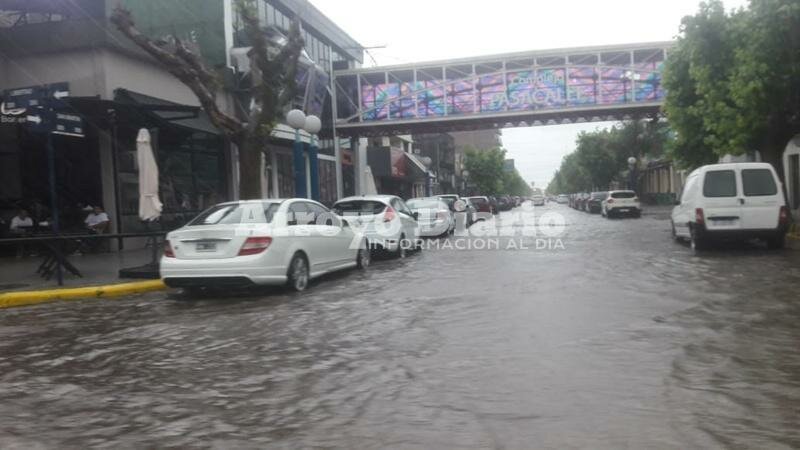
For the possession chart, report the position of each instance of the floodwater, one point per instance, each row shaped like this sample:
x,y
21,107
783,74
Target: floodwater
x,y
620,339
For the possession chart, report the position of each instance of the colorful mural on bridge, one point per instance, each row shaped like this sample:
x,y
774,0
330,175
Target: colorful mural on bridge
x,y
511,91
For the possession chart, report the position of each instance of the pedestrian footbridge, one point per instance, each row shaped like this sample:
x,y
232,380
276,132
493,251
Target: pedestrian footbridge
x,y
531,88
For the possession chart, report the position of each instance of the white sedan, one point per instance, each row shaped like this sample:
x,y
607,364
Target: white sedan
x,y
261,242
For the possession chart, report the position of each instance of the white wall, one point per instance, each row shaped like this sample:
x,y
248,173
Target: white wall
x,y
82,69
143,77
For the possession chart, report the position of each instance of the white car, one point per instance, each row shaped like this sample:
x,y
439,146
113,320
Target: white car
x,y
562,199
538,200
384,220
621,203
261,242
434,217
731,201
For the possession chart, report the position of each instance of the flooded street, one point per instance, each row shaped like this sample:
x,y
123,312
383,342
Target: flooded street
x,y
622,339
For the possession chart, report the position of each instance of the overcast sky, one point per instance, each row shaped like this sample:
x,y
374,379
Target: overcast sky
x,y
420,30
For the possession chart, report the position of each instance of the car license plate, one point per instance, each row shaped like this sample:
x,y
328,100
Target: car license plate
x,y
624,210
206,246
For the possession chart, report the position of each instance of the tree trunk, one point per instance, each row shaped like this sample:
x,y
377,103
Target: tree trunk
x,y
249,170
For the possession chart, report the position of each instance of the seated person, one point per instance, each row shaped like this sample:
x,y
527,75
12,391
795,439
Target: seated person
x,y
97,221
21,223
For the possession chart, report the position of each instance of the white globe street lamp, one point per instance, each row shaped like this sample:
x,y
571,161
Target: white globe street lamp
x,y
312,124
296,119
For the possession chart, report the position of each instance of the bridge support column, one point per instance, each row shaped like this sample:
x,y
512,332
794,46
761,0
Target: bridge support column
x,y
358,165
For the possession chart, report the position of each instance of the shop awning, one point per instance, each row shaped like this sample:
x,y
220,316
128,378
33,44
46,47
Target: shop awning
x,y
192,118
418,169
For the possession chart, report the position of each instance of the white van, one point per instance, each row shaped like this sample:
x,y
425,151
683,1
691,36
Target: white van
x,y
731,201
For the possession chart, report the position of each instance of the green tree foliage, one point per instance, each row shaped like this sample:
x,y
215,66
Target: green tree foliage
x,y
485,169
487,175
733,81
601,155
514,184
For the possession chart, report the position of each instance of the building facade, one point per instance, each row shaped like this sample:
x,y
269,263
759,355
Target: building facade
x,y
116,89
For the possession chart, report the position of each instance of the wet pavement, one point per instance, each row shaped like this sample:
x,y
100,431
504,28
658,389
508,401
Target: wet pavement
x,y
620,339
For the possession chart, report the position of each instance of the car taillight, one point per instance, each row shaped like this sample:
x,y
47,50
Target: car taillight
x,y
389,214
636,199
168,252
783,218
611,200
255,245
699,216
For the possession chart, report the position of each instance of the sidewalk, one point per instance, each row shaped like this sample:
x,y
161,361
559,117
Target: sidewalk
x,y
20,285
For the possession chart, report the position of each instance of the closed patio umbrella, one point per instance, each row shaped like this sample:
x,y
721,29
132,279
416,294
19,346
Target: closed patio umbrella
x,y
370,188
150,205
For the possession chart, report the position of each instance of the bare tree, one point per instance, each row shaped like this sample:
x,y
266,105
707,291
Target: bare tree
x,y
275,88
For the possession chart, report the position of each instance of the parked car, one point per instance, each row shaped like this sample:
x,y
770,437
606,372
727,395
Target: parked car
x,y
580,200
385,220
562,199
493,204
731,201
621,203
594,204
481,204
261,242
434,217
538,200
471,211
504,203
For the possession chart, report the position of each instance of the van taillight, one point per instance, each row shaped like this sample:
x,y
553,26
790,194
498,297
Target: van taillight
x,y
783,218
389,214
699,216
255,245
168,252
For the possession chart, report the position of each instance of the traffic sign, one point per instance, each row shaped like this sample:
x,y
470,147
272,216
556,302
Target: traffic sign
x,y
42,108
67,124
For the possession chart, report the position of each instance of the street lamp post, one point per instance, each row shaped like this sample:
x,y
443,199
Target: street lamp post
x,y
312,126
632,175
465,175
628,77
297,120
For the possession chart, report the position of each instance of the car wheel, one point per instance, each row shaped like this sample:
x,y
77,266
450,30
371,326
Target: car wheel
x,y
697,242
298,273
777,242
363,258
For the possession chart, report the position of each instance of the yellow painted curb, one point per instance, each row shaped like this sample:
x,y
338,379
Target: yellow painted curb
x,y
23,298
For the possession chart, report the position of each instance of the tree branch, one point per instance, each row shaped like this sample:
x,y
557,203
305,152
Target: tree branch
x,y
186,67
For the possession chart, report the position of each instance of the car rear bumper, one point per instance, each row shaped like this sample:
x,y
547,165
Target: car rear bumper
x,y
742,235
624,209
209,273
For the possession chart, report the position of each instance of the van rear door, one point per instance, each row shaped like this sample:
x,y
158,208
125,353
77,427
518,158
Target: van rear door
x,y
721,205
762,199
